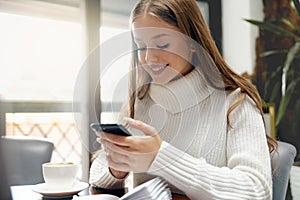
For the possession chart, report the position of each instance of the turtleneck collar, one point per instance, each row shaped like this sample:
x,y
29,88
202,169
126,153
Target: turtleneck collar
x,y
181,94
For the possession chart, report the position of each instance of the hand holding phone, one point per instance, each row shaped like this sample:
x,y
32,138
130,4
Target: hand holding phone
x,y
117,129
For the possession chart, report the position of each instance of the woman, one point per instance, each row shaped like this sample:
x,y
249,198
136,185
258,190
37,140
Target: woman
x,y
202,123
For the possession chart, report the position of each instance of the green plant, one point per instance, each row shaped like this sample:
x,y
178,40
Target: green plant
x,y
288,72
290,76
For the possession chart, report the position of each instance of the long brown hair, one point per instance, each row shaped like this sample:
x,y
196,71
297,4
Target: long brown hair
x,y
186,15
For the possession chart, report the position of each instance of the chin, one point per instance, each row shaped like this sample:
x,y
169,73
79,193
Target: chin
x,y
162,80
165,77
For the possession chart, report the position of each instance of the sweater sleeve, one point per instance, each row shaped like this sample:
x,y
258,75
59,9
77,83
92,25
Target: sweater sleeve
x,y
247,174
100,174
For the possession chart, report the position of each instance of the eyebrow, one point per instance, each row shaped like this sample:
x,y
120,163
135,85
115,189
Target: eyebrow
x,y
159,36
154,37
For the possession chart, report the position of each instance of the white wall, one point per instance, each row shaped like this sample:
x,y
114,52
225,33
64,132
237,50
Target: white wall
x,y
238,35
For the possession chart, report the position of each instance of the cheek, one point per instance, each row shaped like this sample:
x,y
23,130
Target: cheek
x,y
141,56
181,50
175,59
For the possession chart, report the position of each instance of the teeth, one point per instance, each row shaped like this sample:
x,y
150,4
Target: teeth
x,y
156,69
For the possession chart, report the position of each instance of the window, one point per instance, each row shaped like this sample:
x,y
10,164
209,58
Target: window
x,y
40,59
114,77
211,10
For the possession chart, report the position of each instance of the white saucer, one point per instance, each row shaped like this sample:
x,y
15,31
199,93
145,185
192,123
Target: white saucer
x,y
43,190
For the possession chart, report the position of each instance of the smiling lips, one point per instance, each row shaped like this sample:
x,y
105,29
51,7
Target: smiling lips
x,y
158,69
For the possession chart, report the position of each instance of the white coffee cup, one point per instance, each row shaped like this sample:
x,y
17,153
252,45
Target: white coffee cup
x,y
60,176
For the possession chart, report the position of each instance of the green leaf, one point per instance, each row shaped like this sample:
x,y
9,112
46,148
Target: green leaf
x,y
297,5
288,23
266,86
284,102
275,91
272,52
289,59
298,55
272,78
274,28
282,107
296,116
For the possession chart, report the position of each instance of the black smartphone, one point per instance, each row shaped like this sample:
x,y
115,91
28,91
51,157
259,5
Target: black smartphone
x,y
117,129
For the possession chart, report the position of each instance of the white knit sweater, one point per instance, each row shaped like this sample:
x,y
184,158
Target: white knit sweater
x,y
200,156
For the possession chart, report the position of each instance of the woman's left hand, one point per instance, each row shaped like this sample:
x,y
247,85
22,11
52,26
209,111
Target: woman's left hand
x,y
132,153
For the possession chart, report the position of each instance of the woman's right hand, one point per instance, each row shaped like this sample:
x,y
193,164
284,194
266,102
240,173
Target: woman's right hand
x,y
118,174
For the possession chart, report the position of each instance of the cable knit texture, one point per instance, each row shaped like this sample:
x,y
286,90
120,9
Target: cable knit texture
x,y
101,176
200,155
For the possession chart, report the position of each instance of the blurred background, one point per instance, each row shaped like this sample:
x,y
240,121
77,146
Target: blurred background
x,y
51,83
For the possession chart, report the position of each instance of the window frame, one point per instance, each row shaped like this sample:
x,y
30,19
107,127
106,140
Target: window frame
x,y
215,20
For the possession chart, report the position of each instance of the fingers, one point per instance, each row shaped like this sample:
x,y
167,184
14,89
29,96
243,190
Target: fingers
x,y
145,128
117,165
116,157
108,146
132,153
128,144
135,158
118,140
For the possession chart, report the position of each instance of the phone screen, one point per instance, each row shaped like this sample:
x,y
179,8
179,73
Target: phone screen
x,y
117,129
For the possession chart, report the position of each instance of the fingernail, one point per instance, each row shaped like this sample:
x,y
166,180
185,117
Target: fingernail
x,y
129,120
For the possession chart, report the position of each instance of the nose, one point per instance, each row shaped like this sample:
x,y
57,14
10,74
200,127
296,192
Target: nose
x,y
151,55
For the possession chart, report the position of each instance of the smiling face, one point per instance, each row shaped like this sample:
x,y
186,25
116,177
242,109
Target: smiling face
x,y
163,51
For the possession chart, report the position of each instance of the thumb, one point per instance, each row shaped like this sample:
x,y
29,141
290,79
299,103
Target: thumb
x,y
139,125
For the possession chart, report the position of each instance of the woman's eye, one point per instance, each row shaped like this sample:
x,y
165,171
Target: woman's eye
x,y
163,46
141,48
